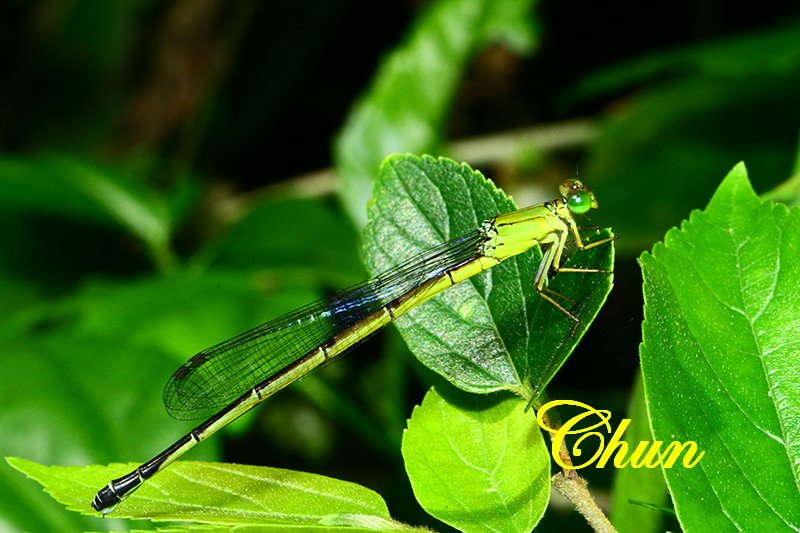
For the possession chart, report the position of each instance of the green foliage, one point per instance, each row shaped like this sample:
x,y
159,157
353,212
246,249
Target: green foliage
x,y
772,52
56,409
477,463
65,186
224,494
105,342
456,199
176,314
406,107
697,112
720,359
637,490
88,371
493,332
324,245
121,129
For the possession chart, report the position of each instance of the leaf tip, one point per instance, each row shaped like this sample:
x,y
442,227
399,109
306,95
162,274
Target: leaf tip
x,y
735,184
20,464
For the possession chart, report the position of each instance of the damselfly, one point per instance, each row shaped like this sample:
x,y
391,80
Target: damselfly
x,y
227,380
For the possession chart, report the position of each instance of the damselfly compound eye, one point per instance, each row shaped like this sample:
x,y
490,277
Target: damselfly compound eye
x,y
579,202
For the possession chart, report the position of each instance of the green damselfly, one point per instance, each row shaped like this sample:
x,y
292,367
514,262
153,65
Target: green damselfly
x,y
227,380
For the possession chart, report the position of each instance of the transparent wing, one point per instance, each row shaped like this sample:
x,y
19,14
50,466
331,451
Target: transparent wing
x,y
219,375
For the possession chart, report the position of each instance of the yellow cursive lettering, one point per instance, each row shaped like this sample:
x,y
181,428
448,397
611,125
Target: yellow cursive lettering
x,y
645,454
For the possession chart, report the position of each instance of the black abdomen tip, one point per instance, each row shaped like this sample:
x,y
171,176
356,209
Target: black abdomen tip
x,y
105,500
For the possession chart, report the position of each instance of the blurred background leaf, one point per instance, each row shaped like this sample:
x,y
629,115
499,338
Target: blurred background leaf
x,y
405,108
305,235
692,114
66,187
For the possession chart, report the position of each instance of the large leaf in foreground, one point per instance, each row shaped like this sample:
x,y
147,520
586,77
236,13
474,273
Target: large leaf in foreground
x,y
220,493
478,463
721,359
639,494
494,331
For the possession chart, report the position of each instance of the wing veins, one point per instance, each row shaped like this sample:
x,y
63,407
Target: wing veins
x,y
218,375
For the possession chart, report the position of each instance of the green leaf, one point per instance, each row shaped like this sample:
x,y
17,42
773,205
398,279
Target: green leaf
x,y
694,111
74,400
109,349
494,331
720,359
293,234
636,486
219,493
741,57
696,128
17,294
406,107
65,186
478,463
371,524
179,314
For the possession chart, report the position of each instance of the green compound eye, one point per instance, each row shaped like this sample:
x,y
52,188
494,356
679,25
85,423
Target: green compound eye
x,y
580,202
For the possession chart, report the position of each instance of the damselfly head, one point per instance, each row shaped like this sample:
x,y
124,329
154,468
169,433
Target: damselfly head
x,y
578,198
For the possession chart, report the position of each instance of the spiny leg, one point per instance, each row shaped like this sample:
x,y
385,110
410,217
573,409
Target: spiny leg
x,y
550,258
583,246
551,292
561,308
579,242
571,269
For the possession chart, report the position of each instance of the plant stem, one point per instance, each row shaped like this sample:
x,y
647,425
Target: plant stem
x,y
506,145
483,150
574,487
